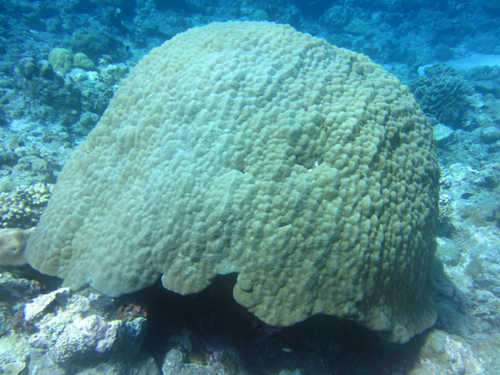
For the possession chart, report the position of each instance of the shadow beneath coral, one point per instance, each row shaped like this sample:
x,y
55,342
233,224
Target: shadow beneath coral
x,y
211,327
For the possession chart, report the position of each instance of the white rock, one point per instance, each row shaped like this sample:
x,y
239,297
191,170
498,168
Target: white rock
x,y
39,304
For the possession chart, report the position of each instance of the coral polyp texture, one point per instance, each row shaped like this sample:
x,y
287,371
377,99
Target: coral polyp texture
x,y
251,148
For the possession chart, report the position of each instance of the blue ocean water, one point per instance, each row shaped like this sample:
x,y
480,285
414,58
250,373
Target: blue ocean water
x,y
61,63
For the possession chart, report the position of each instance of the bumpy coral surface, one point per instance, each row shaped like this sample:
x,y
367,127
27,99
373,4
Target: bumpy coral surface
x,y
23,207
255,149
444,94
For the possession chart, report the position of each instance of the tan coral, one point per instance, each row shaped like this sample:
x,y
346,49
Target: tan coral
x,y
61,60
251,148
13,246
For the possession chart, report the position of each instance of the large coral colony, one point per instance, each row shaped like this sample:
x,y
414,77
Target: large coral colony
x,y
192,172
247,156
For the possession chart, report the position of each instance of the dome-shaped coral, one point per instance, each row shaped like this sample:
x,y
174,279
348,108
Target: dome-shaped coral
x,y
252,148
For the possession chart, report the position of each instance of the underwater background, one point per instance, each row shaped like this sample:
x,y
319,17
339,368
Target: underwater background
x,y
60,64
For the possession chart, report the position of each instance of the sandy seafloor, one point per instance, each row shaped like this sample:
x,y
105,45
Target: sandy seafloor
x,y
447,52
